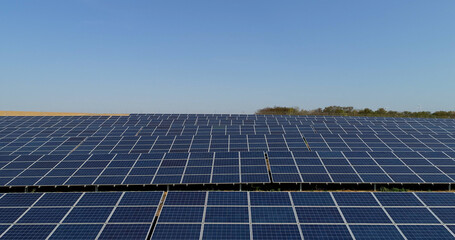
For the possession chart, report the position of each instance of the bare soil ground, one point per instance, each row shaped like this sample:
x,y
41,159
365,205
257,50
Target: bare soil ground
x,y
23,113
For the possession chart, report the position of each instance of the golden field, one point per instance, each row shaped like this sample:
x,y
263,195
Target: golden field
x,y
24,113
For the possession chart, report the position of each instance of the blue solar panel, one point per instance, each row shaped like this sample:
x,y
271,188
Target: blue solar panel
x,y
138,180
375,178
226,231
368,169
76,231
316,178
339,232
88,215
269,199
318,215
286,178
181,214
227,198
19,199
125,231
225,179
255,178
227,215
272,232
177,231
141,198
133,215
397,199
312,199
375,232
365,215
272,215
405,178
44,215
99,199
411,215
10,215
196,179
446,215
425,232
355,199
437,199
185,198
28,232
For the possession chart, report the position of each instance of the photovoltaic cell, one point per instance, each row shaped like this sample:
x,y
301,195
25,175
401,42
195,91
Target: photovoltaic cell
x,y
181,214
185,198
425,232
177,231
270,231
272,215
375,232
226,231
339,232
125,231
28,232
318,215
76,231
270,199
227,198
312,199
411,215
365,215
355,199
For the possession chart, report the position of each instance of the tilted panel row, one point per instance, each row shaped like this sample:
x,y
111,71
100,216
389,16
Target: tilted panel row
x,y
109,215
306,215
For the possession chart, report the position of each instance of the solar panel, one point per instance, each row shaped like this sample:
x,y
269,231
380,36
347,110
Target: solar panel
x,y
446,215
411,215
227,198
270,199
365,215
176,231
44,215
10,215
397,199
375,232
355,199
75,231
272,215
425,232
64,215
312,199
133,215
28,232
227,215
125,231
437,199
181,214
186,198
318,215
226,231
281,231
326,232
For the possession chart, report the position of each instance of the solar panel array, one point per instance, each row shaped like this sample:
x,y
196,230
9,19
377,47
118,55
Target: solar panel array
x,y
362,167
168,149
228,215
306,215
131,169
200,149
107,215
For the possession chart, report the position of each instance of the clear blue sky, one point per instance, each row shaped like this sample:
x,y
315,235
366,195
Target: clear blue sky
x,y
226,56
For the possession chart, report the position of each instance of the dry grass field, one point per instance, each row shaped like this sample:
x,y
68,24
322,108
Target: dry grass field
x,y
23,113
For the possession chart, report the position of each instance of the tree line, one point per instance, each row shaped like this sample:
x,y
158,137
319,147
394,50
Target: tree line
x,y
351,111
